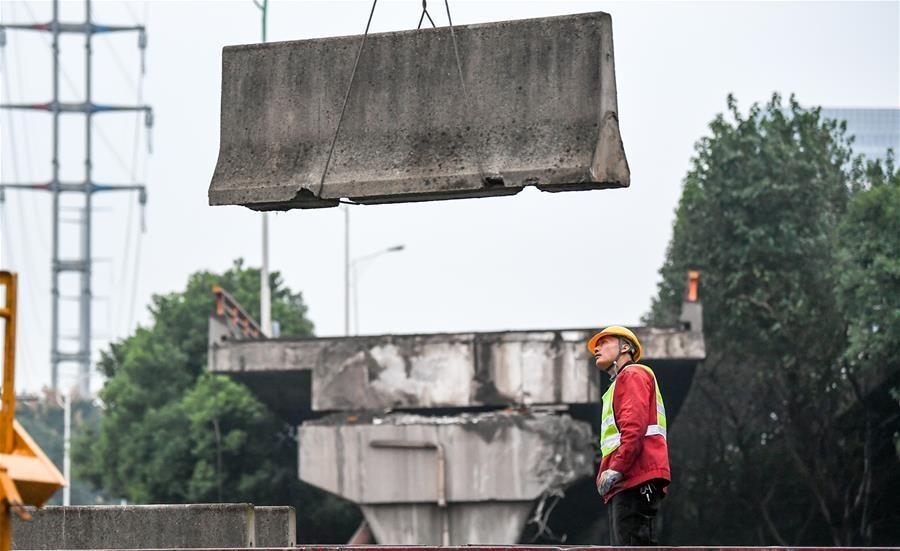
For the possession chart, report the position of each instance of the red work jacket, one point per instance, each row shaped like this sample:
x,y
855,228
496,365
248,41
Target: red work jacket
x,y
639,458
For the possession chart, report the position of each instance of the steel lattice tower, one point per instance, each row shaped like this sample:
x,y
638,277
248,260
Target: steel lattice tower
x,y
82,263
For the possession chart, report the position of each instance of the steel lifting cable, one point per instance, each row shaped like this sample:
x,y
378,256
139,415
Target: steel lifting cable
x,y
346,98
462,81
424,14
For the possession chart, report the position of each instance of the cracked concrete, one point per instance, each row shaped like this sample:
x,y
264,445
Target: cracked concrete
x,y
479,399
459,370
501,460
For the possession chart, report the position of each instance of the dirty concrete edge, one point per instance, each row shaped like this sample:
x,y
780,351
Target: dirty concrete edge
x,y
477,26
610,151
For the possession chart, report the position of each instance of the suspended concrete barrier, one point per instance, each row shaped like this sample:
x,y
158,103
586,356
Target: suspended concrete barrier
x,y
525,103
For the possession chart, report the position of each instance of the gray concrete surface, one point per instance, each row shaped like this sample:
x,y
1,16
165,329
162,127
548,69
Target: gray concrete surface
x,y
461,370
496,465
156,527
461,470
275,526
525,455
541,110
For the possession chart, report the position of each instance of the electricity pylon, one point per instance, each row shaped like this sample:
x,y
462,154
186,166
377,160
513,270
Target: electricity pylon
x,y
81,263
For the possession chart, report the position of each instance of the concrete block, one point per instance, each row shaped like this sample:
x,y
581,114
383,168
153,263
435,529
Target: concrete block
x,y
276,526
234,525
137,527
541,110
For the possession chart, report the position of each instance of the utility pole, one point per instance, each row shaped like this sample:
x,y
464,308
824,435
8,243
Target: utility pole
x,y
265,292
80,264
346,209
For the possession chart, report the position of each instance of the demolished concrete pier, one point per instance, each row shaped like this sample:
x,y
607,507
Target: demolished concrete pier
x,y
445,438
446,480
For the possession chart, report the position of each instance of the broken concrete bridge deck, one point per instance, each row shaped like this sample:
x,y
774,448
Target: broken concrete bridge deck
x,y
306,378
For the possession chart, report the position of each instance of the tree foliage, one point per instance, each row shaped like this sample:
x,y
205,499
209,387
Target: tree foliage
x,y
797,245
42,417
173,433
869,267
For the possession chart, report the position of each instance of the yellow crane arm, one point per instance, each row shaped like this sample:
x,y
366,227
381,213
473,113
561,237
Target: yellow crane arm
x,y
27,476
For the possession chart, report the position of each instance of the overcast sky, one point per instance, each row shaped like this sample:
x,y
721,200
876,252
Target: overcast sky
x,y
531,261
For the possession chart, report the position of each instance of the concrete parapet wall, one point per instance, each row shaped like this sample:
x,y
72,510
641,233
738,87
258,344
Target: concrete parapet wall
x,y
540,110
441,370
275,526
156,527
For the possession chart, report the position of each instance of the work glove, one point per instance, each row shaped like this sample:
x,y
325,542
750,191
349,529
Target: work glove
x,y
608,479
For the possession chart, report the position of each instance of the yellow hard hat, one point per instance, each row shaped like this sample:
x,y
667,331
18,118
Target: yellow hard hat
x,y
618,331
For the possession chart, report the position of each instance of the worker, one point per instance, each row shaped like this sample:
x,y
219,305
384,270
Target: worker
x,y
634,472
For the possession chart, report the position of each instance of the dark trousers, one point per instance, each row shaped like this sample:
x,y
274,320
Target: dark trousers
x,y
631,514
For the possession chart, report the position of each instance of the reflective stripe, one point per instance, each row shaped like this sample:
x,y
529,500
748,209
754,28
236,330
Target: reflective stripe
x,y
655,430
607,422
660,409
615,440
612,441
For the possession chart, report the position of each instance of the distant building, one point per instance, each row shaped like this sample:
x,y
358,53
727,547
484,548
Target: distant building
x,y
876,130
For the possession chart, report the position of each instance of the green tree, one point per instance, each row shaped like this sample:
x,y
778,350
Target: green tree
x,y
172,433
868,292
869,270
769,428
42,419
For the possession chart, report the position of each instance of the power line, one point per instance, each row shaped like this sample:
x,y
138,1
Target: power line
x,y
82,265
123,276
134,17
12,123
120,64
36,218
134,283
126,261
9,262
111,148
26,250
47,42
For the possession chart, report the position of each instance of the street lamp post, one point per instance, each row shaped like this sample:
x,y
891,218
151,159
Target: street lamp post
x,y
67,448
67,398
265,292
354,267
346,209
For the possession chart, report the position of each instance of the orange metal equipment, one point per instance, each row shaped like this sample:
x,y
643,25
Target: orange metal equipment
x,y
238,321
691,294
27,477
